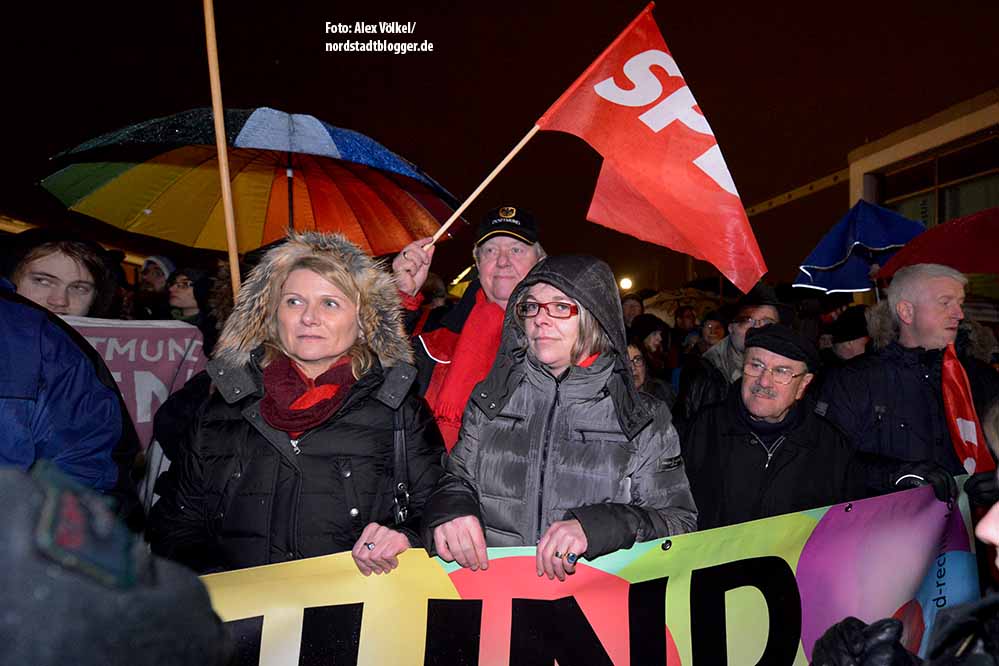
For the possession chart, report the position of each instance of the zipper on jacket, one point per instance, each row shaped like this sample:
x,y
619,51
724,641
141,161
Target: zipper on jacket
x,y
771,450
544,462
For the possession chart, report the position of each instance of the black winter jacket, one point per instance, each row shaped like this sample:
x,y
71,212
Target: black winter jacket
x,y
891,403
734,480
239,495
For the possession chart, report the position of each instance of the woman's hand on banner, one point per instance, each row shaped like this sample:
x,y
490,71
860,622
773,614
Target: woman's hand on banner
x,y
562,544
461,540
378,548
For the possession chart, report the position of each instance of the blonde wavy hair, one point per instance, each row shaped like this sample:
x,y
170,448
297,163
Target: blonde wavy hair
x,y
361,355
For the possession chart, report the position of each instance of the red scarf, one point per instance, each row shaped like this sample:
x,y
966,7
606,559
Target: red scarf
x,y
471,354
962,421
295,403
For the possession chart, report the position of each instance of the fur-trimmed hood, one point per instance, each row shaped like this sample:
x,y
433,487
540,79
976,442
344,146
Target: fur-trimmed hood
x,y
380,314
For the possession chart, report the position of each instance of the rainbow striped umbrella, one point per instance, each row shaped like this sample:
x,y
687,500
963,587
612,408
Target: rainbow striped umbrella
x,y
160,178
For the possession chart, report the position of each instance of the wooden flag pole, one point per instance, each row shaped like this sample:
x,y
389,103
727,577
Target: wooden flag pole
x,y
220,146
478,190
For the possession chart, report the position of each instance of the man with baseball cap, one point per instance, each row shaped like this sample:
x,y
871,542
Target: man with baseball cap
x,y
764,451
453,358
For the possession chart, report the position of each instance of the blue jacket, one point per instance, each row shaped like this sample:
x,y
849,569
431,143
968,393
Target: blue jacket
x,y
52,404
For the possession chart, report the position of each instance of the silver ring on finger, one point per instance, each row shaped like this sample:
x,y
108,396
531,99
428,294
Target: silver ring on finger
x,y
557,555
369,545
405,255
571,558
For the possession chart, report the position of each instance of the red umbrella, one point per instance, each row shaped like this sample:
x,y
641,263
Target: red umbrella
x,y
967,244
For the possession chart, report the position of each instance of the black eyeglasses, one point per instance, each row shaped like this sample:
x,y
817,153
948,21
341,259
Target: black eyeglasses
x,y
555,309
637,361
781,375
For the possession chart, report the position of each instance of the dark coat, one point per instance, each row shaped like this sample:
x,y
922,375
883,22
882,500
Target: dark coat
x,y
734,481
891,403
238,492
587,446
238,495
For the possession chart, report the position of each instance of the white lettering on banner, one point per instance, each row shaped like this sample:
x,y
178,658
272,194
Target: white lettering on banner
x,y
144,351
969,432
712,163
147,387
115,347
678,106
638,70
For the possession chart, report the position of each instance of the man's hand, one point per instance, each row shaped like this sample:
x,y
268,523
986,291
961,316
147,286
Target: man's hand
x,y
378,548
562,544
850,642
461,540
411,266
921,473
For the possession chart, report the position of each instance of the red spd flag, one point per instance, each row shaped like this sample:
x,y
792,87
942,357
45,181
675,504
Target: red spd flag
x,y
663,179
962,421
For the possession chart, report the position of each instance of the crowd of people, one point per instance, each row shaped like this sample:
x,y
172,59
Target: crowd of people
x,y
348,408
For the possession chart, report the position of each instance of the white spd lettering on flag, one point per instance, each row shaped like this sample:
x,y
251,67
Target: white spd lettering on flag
x,y
677,106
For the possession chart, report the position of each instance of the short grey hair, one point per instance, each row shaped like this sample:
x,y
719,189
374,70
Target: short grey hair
x,y
908,281
538,250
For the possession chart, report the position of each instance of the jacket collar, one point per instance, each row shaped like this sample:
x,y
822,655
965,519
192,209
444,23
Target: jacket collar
x,y
736,426
605,375
236,383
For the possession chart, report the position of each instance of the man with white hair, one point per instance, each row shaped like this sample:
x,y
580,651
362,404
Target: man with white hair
x,y
457,355
893,403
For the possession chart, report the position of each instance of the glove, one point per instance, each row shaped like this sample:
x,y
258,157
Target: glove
x,y
853,643
982,489
915,474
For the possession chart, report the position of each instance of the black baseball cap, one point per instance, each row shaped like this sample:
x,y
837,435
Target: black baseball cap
x,y
508,221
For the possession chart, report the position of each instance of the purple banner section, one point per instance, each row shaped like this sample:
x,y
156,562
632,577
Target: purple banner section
x,y
149,360
860,557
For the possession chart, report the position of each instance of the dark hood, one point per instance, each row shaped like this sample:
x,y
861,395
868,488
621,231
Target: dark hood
x,y
590,282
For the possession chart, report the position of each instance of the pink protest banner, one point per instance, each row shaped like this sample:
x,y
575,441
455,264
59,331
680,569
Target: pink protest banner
x,y
149,360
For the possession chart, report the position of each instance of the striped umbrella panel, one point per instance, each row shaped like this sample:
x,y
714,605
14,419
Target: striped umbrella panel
x,y
176,195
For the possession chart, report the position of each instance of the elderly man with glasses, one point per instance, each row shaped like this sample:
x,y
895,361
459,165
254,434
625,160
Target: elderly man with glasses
x,y
721,366
764,451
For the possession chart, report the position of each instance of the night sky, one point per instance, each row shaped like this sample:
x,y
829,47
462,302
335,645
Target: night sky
x,y
789,89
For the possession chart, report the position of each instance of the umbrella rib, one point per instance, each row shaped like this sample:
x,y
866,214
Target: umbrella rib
x,y
803,267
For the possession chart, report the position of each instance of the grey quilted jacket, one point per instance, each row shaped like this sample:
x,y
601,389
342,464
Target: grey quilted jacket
x,y
534,449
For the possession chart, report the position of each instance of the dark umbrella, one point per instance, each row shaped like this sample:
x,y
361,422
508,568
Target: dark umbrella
x,y
160,178
866,235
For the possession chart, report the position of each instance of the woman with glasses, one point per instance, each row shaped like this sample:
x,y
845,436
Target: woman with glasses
x,y
557,447
643,379
188,290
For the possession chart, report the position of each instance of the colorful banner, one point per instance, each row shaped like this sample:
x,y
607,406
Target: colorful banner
x,y
149,360
757,593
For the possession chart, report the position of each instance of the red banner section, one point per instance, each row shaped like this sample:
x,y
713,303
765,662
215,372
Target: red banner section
x,y
149,360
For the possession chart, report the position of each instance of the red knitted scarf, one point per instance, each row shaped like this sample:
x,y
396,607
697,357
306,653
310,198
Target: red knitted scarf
x,y
473,355
295,403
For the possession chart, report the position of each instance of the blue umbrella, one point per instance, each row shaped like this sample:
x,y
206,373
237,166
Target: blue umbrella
x,y
866,235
